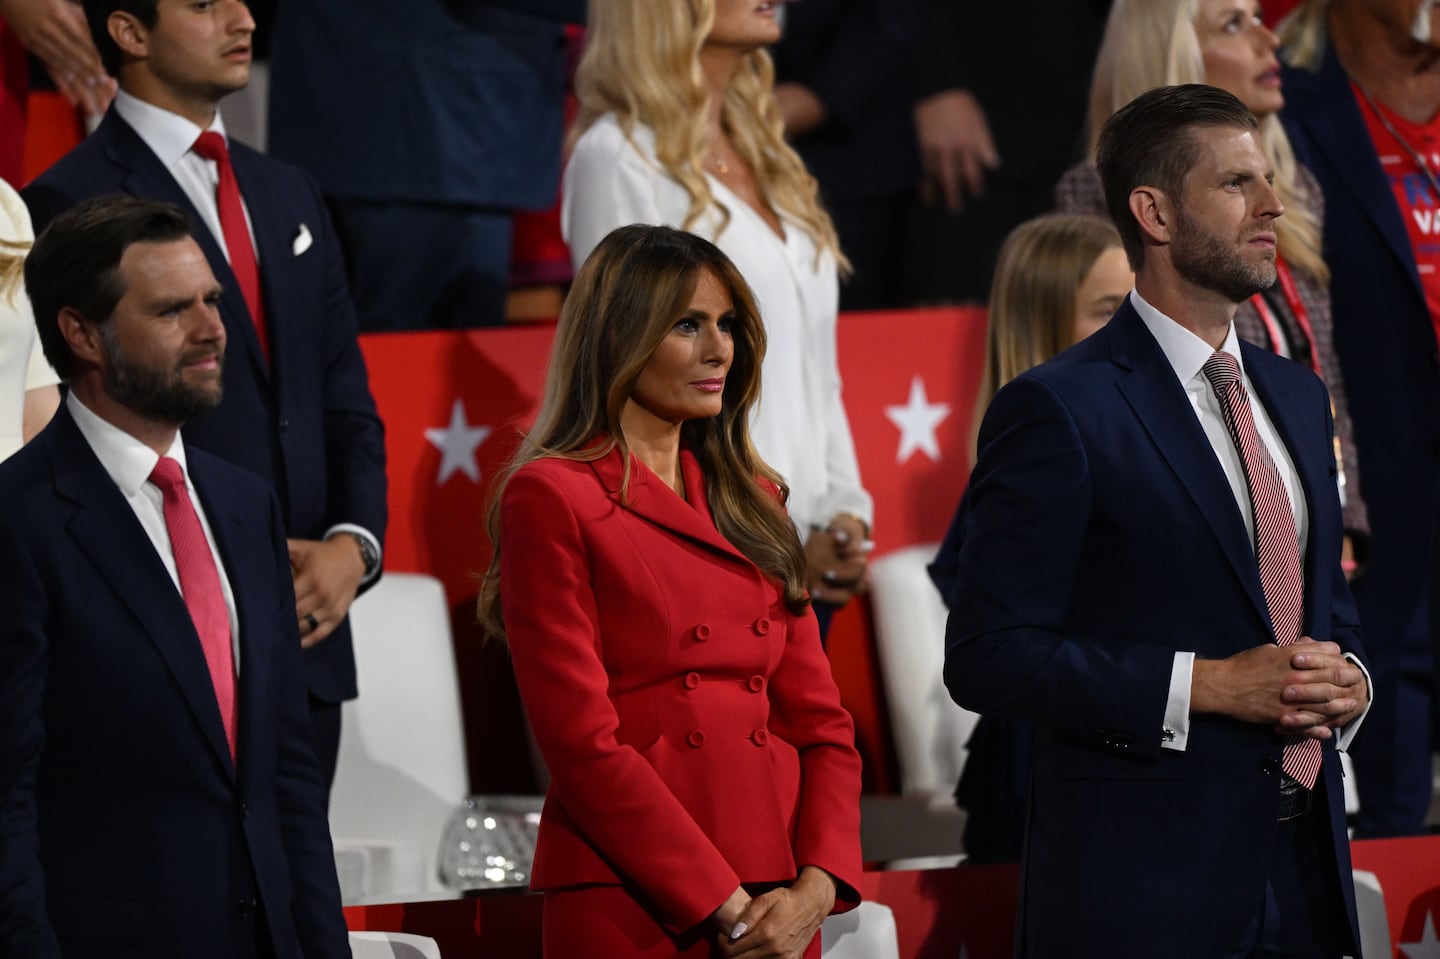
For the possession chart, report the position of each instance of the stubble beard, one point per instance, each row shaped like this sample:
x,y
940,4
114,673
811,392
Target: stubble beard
x,y
1207,261
156,394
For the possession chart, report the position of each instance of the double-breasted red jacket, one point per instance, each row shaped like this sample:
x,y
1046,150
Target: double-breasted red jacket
x,y
691,724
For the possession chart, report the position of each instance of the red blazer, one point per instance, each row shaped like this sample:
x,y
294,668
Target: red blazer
x,y
692,727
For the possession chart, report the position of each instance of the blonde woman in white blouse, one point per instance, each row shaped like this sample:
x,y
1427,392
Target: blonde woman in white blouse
x,y
28,395
679,126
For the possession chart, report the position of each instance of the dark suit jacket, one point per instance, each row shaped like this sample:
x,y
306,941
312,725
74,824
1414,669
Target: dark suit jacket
x,y
692,727
433,101
1102,537
125,828
1387,349
307,422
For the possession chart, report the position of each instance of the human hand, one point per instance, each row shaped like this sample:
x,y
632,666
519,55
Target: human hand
x,y
729,912
836,559
781,923
956,148
56,32
1265,685
800,108
327,576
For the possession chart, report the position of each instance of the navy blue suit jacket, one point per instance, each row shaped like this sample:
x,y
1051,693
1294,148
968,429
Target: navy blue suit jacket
x,y
432,101
125,827
306,422
1386,344
1101,537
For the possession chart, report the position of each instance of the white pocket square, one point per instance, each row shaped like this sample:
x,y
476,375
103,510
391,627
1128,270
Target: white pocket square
x,y
302,242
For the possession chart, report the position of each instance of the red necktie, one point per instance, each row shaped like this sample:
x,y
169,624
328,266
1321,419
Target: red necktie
x,y
1277,545
200,585
238,243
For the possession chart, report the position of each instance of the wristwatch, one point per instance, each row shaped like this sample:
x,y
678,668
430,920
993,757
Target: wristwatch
x,y
369,555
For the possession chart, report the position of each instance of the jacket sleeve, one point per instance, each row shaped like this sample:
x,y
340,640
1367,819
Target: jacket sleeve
x,y
613,794
805,711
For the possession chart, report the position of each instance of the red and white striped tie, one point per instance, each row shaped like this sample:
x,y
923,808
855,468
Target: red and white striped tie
x,y
1277,545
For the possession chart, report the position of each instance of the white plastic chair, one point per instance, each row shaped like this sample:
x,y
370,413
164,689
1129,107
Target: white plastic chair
x,y
401,770
930,730
392,945
1374,923
866,932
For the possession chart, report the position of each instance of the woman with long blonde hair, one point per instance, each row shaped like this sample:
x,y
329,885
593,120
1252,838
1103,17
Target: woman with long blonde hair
x,y
704,784
1225,43
679,126
28,394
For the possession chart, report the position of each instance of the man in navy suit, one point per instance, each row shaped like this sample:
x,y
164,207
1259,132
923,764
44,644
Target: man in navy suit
x,y
159,792
1360,109
428,124
297,409
1187,697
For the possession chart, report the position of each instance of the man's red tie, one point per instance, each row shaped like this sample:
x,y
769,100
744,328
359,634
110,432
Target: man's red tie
x,y
1277,545
200,585
238,243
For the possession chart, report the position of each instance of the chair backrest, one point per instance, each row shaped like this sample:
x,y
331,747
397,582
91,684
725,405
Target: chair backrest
x,y
401,770
865,932
930,730
392,945
1370,908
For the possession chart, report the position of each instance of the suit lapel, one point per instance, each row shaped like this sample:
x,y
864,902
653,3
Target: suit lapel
x,y
649,498
106,531
250,569
1159,402
1334,121
147,177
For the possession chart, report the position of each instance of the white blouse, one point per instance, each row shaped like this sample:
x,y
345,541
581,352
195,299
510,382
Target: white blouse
x,y
799,427
22,362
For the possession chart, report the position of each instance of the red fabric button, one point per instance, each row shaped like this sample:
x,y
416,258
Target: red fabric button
x,y
692,680
696,739
702,632
756,683
759,737
762,625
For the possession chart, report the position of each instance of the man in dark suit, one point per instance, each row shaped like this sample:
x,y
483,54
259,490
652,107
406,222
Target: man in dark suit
x,y
428,124
159,792
297,409
1151,573
1363,65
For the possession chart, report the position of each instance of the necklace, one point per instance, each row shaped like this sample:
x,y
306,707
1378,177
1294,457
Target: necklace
x,y
1414,154
720,165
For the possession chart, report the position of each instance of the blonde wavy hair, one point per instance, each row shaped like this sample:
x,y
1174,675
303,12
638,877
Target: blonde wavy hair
x,y
1303,34
642,63
626,298
1032,299
1152,43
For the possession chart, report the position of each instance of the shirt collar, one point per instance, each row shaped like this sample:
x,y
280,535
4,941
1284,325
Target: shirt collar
x,y
1186,352
168,135
128,461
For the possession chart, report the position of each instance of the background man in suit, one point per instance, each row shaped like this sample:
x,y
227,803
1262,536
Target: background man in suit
x,y
1362,107
1151,572
159,793
297,408
428,124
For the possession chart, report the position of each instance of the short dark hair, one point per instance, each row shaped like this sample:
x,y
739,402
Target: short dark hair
x,y
1149,142
97,14
75,263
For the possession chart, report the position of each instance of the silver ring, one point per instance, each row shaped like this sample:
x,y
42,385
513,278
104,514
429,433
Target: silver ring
x,y
312,622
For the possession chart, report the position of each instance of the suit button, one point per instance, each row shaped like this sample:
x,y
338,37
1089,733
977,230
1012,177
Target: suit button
x,y
756,683
245,907
284,424
244,810
1270,766
692,680
696,739
702,632
759,737
762,626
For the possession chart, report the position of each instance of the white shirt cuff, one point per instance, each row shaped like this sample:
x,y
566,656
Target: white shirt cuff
x,y
369,538
1176,732
1343,736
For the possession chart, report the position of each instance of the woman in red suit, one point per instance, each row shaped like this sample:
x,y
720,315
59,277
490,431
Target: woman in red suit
x,y
653,597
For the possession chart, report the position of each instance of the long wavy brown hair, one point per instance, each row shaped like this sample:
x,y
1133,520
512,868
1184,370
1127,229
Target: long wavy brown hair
x,y
627,296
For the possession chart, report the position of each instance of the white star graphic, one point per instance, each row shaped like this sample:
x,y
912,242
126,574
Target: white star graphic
x,y
917,421
457,444
1428,947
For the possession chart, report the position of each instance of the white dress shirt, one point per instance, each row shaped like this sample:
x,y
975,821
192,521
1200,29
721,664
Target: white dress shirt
x,y
129,463
799,427
1188,354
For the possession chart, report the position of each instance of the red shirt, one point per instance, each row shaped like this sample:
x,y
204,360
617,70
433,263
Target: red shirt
x,y
1419,206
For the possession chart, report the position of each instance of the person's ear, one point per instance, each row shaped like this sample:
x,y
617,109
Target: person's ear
x,y
129,34
82,336
1155,213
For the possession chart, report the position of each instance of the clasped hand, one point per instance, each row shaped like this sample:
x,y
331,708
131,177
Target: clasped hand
x,y
779,924
1306,689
